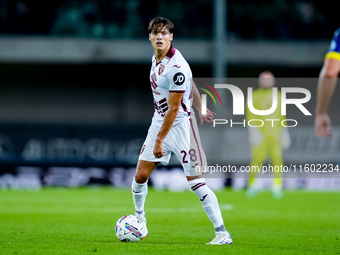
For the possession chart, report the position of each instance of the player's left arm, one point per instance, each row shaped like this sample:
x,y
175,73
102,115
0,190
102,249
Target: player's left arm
x,y
198,105
174,102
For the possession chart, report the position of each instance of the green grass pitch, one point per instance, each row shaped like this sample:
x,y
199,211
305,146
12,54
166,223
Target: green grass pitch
x,y
82,221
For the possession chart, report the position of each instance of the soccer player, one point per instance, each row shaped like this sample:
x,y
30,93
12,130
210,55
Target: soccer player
x,y
172,125
266,141
326,86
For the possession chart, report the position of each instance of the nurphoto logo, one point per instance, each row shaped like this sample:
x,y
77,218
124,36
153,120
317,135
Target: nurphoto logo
x,y
288,97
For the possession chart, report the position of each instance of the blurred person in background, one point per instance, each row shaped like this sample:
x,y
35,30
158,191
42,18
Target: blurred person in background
x,y
268,140
327,83
173,125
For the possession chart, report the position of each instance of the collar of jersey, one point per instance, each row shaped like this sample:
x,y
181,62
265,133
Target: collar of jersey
x,y
167,57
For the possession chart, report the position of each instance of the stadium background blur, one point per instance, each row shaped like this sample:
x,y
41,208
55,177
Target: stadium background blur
x,y
75,100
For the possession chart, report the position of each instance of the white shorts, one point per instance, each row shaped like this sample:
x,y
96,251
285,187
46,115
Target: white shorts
x,y
183,140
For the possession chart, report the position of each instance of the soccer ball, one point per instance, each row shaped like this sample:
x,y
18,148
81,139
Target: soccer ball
x,y
130,229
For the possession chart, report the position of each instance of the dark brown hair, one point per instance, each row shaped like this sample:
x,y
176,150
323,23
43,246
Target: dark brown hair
x,y
159,23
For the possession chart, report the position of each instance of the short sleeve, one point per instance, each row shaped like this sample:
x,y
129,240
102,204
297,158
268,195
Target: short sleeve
x,y
334,48
178,78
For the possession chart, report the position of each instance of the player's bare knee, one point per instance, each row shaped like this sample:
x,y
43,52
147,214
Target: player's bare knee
x,y
141,177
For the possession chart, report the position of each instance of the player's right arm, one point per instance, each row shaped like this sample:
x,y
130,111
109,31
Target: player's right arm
x,y
326,86
174,102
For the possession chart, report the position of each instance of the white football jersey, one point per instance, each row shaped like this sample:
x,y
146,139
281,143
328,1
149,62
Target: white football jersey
x,y
172,74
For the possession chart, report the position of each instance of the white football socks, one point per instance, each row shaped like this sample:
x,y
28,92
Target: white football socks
x,y
209,202
139,192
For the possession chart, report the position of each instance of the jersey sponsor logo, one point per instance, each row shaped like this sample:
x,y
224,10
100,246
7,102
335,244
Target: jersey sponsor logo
x,y
161,69
176,66
179,78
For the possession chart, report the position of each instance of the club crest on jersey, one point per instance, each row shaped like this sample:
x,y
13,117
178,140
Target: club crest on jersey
x,y
161,69
179,78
